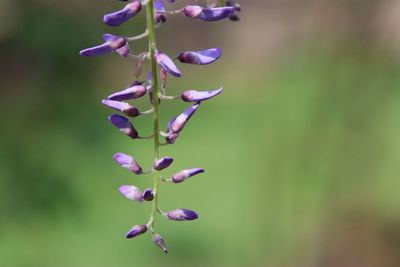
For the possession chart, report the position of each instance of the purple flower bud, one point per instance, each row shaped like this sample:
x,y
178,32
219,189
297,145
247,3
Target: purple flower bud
x,y
123,15
167,64
128,163
159,242
160,10
192,11
185,174
162,163
133,92
182,215
198,96
137,230
124,125
177,124
112,43
131,192
125,108
200,57
148,194
216,13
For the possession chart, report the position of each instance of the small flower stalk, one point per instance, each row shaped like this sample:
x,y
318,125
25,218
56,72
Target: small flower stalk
x,y
162,65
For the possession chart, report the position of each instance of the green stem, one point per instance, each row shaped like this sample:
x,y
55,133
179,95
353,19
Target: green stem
x,y
156,126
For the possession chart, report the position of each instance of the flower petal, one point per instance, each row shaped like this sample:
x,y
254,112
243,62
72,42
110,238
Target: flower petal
x,y
119,17
198,96
185,174
124,125
182,215
167,64
136,230
127,162
179,123
131,192
133,92
124,107
162,163
203,57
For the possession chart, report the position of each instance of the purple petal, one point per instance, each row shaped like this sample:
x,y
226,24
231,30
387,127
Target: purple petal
x,y
167,64
124,51
127,109
124,125
216,13
128,162
200,57
162,163
198,96
171,138
114,41
136,230
119,17
148,194
96,51
132,92
158,240
185,174
182,215
179,123
131,192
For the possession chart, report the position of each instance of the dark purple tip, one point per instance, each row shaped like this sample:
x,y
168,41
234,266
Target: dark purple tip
x,y
216,13
198,96
124,125
182,215
127,162
148,194
158,240
119,17
162,163
136,230
185,174
204,57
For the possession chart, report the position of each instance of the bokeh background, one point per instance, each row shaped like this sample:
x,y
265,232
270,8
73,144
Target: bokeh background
x,y
301,151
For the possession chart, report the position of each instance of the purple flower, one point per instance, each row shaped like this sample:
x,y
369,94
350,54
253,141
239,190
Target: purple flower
x,y
128,162
185,174
159,11
182,215
159,242
162,163
171,138
125,108
112,43
134,91
137,230
177,124
148,194
208,14
131,192
119,17
200,57
124,125
167,64
198,96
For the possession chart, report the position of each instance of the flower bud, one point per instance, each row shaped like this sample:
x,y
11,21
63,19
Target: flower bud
x,y
124,51
159,11
148,194
136,230
185,174
131,192
162,163
125,108
157,239
182,215
124,125
133,92
203,57
127,162
112,43
192,11
177,124
171,138
167,64
119,17
198,96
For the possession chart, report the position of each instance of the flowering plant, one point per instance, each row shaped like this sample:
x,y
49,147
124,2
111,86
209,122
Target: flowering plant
x,y
161,66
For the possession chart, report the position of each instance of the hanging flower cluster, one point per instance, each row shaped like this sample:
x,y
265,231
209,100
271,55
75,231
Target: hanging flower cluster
x,y
155,86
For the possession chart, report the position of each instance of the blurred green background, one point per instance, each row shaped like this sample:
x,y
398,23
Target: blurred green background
x,y
301,150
